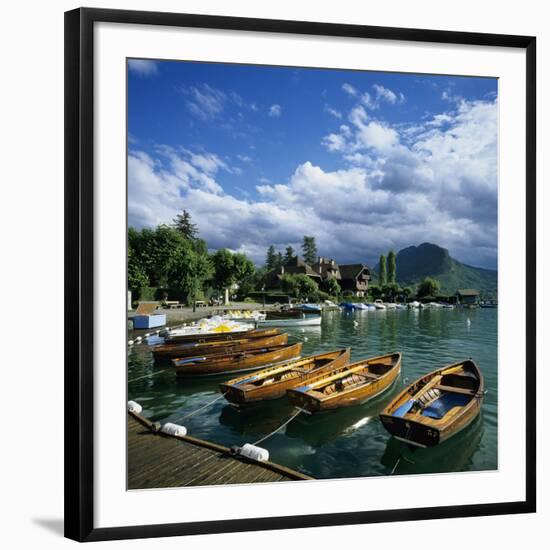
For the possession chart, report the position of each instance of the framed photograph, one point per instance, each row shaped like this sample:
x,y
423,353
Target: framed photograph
x,y
300,274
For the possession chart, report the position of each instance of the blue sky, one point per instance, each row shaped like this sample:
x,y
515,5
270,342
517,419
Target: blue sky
x,y
364,161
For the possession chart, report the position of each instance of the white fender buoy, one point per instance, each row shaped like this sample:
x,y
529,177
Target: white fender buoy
x,y
255,453
130,342
146,335
134,407
174,429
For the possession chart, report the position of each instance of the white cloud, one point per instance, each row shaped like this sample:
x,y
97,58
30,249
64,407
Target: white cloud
x,y
205,102
334,112
275,110
434,180
143,67
349,89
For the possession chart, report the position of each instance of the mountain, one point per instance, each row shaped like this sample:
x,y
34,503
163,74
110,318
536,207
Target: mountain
x,y
429,260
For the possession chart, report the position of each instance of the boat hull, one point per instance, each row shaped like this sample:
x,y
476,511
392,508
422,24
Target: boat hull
x,y
238,393
237,362
222,336
424,431
209,348
307,322
313,401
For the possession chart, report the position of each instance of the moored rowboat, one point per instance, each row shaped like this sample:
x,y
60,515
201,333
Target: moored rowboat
x,y
272,383
193,349
220,336
311,321
237,361
437,406
354,385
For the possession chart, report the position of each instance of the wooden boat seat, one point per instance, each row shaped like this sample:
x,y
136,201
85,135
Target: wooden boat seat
x,y
454,389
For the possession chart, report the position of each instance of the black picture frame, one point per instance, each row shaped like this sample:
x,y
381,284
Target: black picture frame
x,y
79,268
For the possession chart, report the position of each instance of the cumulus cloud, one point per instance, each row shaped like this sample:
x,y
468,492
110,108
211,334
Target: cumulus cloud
x,y
142,67
275,111
349,89
433,180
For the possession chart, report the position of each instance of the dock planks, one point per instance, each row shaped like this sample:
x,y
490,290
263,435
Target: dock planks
x,y
158,461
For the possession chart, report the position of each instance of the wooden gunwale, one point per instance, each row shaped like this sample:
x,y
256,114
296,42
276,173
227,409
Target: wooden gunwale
x,y
449,425
212,348
222,336
355,394
304,369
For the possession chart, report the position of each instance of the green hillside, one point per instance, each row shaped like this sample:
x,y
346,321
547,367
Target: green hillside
x,y
429,260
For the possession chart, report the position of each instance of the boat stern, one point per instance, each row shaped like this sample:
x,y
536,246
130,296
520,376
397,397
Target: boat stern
x,y
410,432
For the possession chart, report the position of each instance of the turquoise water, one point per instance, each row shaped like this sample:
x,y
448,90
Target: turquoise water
x,y
350,442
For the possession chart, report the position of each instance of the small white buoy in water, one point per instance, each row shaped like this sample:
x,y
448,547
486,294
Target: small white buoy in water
x,y
130,342
468,322
305,338
138,339
355,324
255,453
134,407
174,429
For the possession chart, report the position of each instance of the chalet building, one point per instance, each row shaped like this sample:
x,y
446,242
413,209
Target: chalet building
x,y
467,296
327,268
296,266
354,279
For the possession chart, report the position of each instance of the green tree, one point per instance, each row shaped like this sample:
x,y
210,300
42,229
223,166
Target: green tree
x,y
428,287
184,225
289,254
382,278
279,261
309,249
230,269
137,278
332,287
299,286
271,258
392,271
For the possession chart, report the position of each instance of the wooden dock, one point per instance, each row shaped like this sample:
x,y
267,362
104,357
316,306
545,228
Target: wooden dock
x,y
156,460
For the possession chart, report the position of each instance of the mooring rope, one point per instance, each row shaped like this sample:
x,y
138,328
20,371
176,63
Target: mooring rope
x,y
395,467
148,375
279,428
188,415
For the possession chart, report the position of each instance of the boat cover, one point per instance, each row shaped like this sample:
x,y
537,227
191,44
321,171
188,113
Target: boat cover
x,y
442,405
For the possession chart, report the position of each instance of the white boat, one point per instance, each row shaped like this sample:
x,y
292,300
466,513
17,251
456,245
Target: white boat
x,y
312,321
414,305
360,305
391,306
378,304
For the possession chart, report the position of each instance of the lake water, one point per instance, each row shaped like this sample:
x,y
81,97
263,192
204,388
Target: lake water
x,y
350,442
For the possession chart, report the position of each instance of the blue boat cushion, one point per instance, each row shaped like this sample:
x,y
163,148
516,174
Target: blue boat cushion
x,y
441,406
401,411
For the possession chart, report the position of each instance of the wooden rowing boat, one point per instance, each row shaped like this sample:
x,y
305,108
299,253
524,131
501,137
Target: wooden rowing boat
x,y
354,385
272,383
194,349
237,361
437,406
222,336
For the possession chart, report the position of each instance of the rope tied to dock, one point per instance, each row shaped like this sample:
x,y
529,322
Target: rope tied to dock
x,y
279,428
149,375
188,415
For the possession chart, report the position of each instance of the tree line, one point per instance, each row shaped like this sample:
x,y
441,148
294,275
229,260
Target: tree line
x,y
275,259
174,258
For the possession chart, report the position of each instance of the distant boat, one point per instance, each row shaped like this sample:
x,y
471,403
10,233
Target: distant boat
x,y
390,305
311,321
209,365
400,306
309,308
354,385
414,305
193,349
272,383
348,305
360,305
378,304
436,406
